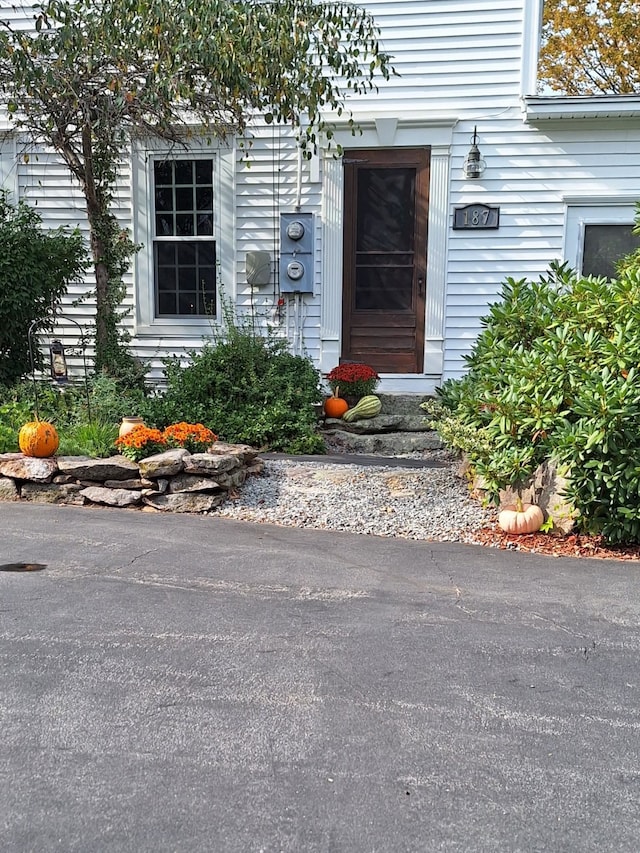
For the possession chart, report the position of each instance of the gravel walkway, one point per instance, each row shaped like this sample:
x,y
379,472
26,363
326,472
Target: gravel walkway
x,y
429,503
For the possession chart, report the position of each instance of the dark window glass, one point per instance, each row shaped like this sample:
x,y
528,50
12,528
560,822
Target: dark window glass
x,y
166,304
204,198
384,239
166,254
163,172
164,198
166,279
184,198
184,224
165,226
186,254
187,278
186,272
185,267
187,302
386,202
207,254
183,171
604,246
204,224
204,171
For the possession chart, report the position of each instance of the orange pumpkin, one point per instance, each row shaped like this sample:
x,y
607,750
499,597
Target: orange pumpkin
x,y
38,438
521,518
335,406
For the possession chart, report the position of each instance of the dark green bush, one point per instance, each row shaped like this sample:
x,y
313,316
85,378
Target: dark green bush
x,y
246,388
555,375
35,269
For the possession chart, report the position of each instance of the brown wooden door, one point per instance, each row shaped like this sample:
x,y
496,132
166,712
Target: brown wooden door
x,y
385,258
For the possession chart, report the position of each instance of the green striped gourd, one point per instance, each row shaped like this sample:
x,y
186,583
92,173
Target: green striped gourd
x,y
367,407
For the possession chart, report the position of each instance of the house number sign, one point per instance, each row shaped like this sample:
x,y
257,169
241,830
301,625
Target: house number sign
x,y
474,217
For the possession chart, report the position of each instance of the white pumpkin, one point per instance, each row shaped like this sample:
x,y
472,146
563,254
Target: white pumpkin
x,y
521,518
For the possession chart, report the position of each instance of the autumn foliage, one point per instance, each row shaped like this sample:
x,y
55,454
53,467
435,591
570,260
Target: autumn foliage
x,y
590,47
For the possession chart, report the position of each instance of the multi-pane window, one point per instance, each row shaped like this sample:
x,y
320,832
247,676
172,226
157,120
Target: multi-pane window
x,y
184,248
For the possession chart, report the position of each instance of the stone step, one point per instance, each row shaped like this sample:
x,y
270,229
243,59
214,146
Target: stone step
x,y
402,404
381,423
384,443
400,428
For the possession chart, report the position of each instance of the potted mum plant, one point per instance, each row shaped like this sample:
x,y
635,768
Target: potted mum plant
x,y
354,379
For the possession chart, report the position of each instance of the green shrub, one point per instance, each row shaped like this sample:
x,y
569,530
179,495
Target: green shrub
x,y
96,439
555,375
87,428
12,416
246,388
35,269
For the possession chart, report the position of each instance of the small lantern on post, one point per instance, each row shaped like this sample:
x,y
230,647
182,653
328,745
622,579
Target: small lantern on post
x,y
59,372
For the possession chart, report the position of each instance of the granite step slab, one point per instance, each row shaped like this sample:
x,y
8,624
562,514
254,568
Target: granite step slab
x,y
387,444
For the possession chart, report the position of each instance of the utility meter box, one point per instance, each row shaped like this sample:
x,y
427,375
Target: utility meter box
x,y
296,253
258,267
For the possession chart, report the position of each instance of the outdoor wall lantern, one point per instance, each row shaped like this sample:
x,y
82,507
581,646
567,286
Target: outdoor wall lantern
x,y
58,362
474,165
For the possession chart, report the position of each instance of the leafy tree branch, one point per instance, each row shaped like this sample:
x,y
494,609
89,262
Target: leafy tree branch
x,y
92,74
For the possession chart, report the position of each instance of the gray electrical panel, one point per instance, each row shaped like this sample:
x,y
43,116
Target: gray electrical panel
x,y
296,253
258,267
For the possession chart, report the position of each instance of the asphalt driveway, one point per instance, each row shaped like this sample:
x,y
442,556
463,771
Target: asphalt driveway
x,y
174,683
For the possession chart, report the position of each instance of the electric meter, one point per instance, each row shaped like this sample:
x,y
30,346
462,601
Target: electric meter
x,y
295,230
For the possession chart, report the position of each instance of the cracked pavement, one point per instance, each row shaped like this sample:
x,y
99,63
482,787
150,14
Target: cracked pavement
x,y
199,684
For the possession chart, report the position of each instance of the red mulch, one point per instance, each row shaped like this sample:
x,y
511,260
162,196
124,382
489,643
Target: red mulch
x,y
571,545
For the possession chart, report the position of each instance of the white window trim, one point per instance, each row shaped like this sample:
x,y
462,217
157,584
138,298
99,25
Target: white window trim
x,y
147,324
387,132
580,212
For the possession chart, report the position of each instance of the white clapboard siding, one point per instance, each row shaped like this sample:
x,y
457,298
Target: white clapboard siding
x,y
461,62
465,55
529,173
19,15
265,188
45,183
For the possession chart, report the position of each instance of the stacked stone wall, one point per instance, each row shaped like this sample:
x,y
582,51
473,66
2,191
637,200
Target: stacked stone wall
x,y
173,481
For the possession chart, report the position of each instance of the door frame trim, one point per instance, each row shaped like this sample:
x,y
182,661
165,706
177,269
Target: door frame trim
x,y
408,134
370,323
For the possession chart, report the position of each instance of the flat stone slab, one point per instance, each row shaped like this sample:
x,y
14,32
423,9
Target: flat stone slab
x,y
402,404
112,497
85,468
211,463
135,483
184,502
388,444
164,464
192,483
244,452
22,467
49,493
381,423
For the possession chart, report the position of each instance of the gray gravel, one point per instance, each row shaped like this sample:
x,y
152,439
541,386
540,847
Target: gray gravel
x,y
424,503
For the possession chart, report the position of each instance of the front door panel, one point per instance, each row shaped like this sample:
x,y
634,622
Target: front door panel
x,y
385,246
